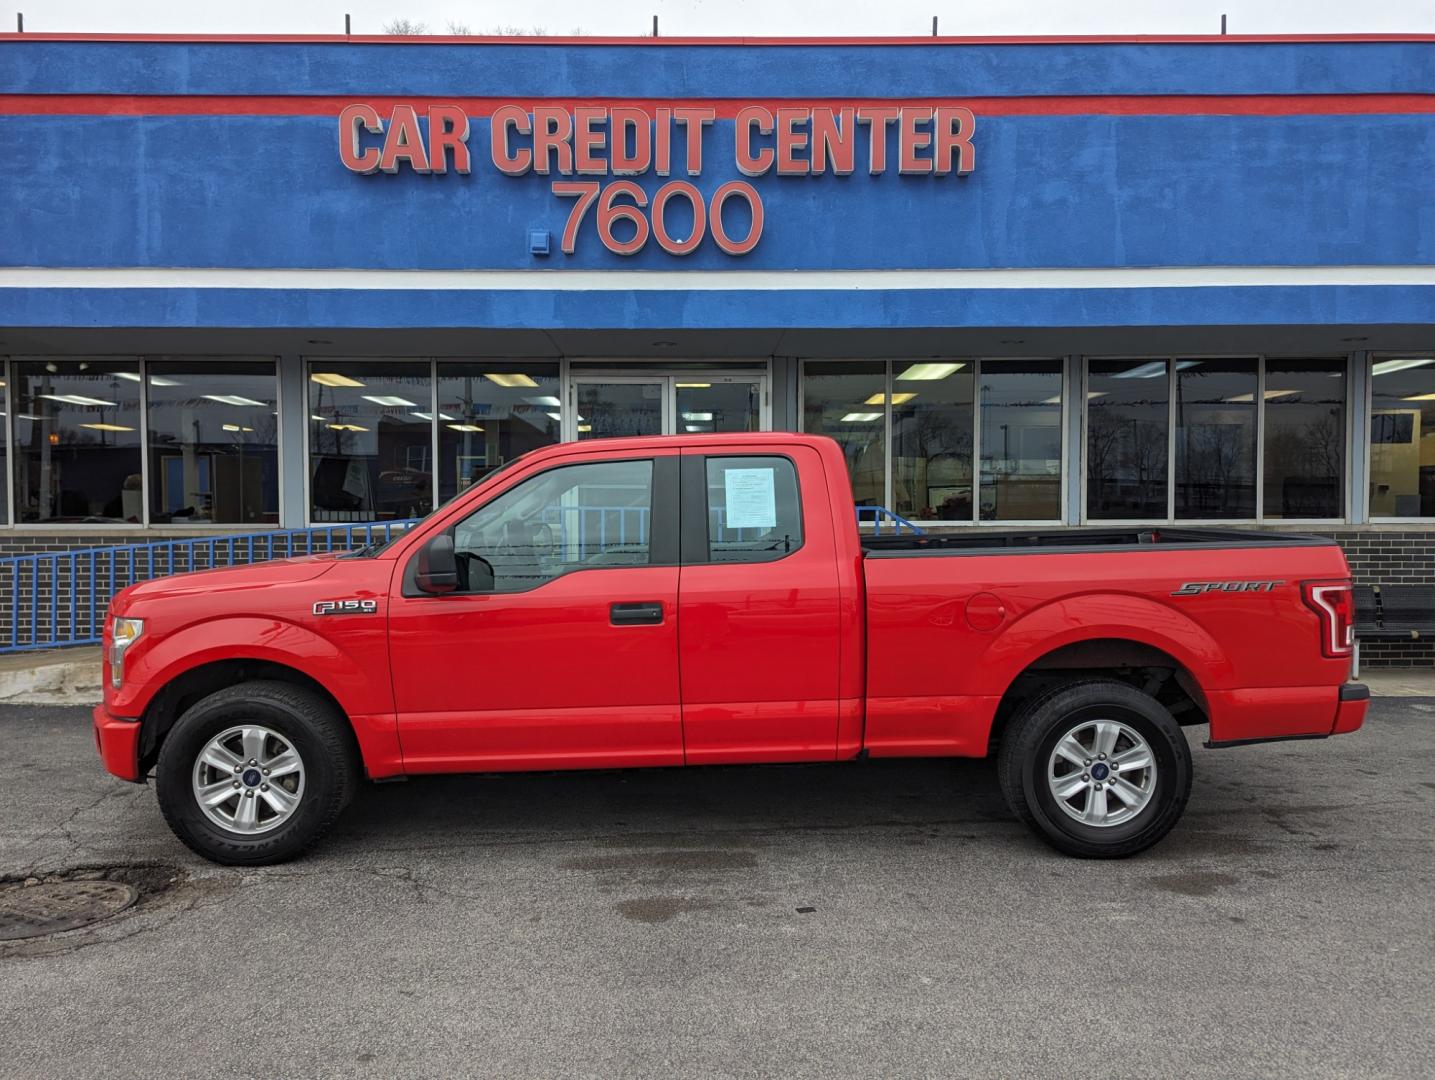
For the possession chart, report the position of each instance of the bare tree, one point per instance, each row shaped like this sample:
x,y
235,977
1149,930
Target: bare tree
x,y
459,29
519,31
405,28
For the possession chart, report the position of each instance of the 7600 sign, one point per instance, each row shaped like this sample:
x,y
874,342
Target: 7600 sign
x,y
654,223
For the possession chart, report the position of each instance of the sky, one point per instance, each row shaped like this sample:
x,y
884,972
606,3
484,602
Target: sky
x,y
732,17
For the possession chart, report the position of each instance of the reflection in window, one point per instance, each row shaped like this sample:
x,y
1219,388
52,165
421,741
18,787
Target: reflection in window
x,y
489,413
754,514
932,440
1216,438
1021,440
845,401
1402,437
77,440
618,409
213,441
1304,434
578,517
1127,423
370,440
718,404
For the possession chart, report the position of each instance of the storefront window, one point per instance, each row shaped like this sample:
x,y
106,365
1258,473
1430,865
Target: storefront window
x,y
489,412
1216,438
1402,437
845,401
370,440
1127,429
932,439
1021,440
213,442
77,440
1304,433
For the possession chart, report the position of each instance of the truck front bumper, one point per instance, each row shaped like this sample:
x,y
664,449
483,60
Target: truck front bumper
x,y
117,738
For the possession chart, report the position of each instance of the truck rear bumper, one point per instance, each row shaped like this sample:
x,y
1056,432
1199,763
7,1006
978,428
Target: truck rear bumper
x,y
1241,717
118,739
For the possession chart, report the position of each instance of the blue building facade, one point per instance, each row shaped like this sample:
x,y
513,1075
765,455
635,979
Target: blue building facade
x,y
276,282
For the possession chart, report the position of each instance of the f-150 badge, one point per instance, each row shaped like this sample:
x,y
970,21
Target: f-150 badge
x,y
1196,588
346,607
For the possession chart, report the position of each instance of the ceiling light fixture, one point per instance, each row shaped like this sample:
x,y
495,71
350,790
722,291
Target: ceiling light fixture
x,y
333,378
464,427
897,399
346,427
74,399
861,417
106,427
389,401
510,379
235,400
698,416
929,372
547,399
693,385
1388,367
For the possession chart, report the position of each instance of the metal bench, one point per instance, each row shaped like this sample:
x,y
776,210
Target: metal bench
x,y
1393,613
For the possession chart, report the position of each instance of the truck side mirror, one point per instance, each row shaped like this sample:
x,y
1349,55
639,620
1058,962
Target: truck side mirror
x,y
437,570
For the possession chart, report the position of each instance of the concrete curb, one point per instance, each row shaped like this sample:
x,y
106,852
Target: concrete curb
x,y
68,677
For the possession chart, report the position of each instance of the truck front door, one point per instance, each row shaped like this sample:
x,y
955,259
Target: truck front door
x,y
559,648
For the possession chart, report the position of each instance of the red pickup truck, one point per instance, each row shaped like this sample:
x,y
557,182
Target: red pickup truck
x,y
709,599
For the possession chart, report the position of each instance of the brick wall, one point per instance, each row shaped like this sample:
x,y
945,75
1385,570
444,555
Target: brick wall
x,y
1378,555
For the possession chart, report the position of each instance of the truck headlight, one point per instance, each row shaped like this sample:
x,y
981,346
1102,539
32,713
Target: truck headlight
x,y
123,634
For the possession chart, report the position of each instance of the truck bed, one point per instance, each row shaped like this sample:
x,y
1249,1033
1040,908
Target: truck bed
x,y
993,542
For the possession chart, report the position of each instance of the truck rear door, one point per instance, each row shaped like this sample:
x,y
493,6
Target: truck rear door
x,y
759,606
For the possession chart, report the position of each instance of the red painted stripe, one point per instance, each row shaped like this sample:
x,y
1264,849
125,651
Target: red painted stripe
x,y
1095,105
1051,39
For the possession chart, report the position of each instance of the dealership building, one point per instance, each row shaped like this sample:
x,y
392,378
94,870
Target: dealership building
x,y
276,283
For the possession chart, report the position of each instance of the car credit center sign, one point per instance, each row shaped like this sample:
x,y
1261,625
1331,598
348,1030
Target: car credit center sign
x,y
574,143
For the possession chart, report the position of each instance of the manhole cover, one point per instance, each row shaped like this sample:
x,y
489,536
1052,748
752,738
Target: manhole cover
x,y
28,911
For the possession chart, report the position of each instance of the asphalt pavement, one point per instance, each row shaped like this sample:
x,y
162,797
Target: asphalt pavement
x,y
887,918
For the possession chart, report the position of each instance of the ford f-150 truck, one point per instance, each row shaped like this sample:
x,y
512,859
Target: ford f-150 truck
x,y
709,599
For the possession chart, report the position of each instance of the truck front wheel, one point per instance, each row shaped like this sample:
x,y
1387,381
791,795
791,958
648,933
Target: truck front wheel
x,y
1097,768
255,773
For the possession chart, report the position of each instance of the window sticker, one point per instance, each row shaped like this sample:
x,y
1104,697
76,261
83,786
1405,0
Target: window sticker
x,y
751,498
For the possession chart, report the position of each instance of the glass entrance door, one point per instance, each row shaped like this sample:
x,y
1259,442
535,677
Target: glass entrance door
x,y
611,406
607,406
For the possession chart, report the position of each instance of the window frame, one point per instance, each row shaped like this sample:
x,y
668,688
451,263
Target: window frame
x,y
976,362
1171,359
694,520
663,528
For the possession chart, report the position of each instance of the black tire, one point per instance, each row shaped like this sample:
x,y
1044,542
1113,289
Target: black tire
x,y
301,717
1031,737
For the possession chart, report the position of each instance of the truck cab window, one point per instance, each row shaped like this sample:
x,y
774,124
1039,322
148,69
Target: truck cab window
x,y
754,513
577,517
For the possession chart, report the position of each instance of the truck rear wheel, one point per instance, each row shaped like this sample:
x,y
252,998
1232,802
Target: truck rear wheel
x,y
1097,768
256,773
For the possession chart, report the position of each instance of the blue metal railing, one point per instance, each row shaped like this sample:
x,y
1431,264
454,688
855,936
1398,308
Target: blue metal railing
x,y
59,598
880,516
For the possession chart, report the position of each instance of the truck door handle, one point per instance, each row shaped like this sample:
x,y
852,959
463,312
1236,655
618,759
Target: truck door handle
x,y
644,613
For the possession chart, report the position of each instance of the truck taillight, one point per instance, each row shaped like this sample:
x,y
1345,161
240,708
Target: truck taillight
x,y
1334,602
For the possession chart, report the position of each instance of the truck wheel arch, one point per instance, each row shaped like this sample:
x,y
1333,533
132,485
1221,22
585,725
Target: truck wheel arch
x,y
171,701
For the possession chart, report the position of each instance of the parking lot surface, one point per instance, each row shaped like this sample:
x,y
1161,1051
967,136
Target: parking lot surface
x,y
881,918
